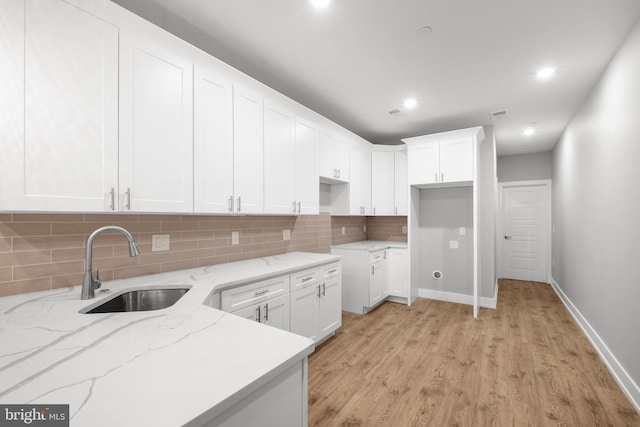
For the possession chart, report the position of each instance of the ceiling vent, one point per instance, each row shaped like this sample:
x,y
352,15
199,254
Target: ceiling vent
x,y
498,114
395,111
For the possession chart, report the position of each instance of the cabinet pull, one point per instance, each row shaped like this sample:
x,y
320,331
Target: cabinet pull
x,y
258,317
373,270
231,204
374,210
299,206
112,195
335,173
266,312
128,203
306,279
332,271
259,294
385,254
436,177
239,204
294,206
441,176
318,291
396,210
324,290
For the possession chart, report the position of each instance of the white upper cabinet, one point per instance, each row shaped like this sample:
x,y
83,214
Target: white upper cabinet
x,y
307,194
279,160
360,179
156,128
58,108
247,151
401,183
443,158
213,142
334,158
383,182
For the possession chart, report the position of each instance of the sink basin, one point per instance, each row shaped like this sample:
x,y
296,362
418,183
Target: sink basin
x,y
140,300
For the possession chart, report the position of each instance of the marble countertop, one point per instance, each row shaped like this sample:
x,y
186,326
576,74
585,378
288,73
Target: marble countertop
x,y
164,367
371,245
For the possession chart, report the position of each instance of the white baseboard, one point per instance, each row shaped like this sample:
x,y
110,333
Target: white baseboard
x,y
459,298
628,385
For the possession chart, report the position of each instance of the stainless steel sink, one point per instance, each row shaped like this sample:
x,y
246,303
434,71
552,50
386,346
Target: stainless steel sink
x,y
140,300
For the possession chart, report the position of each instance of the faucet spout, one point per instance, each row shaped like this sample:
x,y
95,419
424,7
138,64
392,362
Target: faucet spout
x,y
88,282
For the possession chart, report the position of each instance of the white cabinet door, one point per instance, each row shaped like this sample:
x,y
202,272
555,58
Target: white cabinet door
x,y
59,104
156,128
307,188
330,306
376,283
401,183
360,180
279,160
326,169
275,312
341,158
304,312
247,151
456,160
251,313
382,182
213,142
424,164
398,272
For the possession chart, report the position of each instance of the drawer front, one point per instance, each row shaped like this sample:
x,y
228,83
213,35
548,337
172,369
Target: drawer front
x,y
253,293
302,279
330,271
377,256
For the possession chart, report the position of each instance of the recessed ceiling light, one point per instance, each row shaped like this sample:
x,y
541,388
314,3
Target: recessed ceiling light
x,y
410,103
528,131
320,4
424,31
545,73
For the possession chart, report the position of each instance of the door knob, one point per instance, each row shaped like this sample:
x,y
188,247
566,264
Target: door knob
x,y
508,237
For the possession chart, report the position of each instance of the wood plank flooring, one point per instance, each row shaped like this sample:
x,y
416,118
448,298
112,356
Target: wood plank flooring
x,y
525,364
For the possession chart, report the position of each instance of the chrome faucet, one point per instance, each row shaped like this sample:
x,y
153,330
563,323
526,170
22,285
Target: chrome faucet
x,y
89,284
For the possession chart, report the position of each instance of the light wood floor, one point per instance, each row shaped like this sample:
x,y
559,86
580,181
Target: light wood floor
x,y
525,364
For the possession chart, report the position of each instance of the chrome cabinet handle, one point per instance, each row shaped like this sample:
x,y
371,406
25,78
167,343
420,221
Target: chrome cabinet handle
x,y
374,210
436,178
508,237
332,271
299,207
324,290
260,293
373,270
266,312
338,173
294,206
239,209
335,173
318,291
306,279
441,176
396,210
112,195
258,317
231,204
128,204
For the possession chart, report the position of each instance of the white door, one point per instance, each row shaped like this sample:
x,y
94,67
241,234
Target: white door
x,y
275,312
247,151
279,160
304,312
341,150
382,182
213,142
524,232
330,310
398,272
156,128
250,313
325,158
59,103
306,167
424,163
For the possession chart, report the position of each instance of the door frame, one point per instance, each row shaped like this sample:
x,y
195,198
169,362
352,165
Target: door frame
x,y
499,237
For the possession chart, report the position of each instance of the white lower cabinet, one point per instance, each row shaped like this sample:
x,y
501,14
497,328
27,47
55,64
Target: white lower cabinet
x,y
378,278
398,272
316,306
307,302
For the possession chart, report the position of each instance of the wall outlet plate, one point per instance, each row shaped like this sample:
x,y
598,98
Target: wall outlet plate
x,y
160,242
463,231
286,234
453,244
235,237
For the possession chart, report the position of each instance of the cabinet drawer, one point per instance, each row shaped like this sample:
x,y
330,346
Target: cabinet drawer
x,y
304,278
377,256
330,271
253,293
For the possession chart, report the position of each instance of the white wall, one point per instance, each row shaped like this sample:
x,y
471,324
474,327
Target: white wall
x,y
487,194
525,167
596,209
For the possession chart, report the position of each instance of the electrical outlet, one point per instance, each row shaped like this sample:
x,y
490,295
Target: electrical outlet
x,y
463,231
160,242
453,244
235,237
343,229
404,229
286,234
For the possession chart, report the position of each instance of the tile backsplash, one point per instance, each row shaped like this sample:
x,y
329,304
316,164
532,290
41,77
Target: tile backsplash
x,y
47,251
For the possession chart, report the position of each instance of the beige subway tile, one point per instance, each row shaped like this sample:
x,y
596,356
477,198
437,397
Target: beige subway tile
x,y
60,229
25,286
212,260
71,254
51,242
241,256
137,227
228,250
25,229
180,265
179,226
252,247
198,235
100,219
224,233
159,257
70,280
198,253
48,217
144,237
6,274
46,270
123,249
5,244
158,218
116,262
183,245
6,217
8,259
214,243
142,270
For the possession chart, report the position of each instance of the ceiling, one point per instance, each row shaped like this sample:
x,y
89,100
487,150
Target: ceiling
x,y
356,60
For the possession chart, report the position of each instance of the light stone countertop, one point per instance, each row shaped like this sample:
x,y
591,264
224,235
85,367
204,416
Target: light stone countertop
x,y
186,363
371,245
